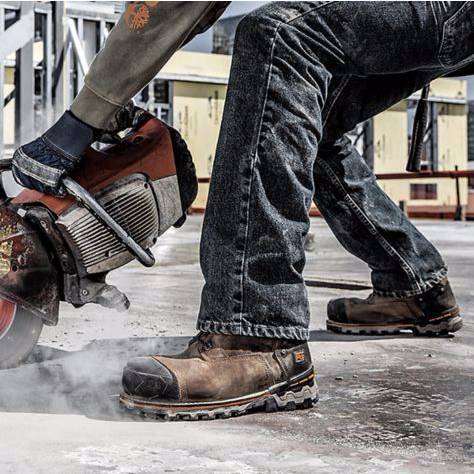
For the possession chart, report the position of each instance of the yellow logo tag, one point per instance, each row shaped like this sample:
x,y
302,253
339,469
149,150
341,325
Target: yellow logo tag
x,y
299,356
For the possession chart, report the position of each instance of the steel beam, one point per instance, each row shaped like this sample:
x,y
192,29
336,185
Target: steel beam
x,y
20,34
61,80
78,48
2,83
24,80
48,65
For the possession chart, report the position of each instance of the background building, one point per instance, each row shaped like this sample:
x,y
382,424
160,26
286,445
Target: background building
x,y
47,47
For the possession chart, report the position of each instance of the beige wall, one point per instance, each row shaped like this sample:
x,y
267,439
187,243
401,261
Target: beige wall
x,y
200,65
198,106
391,150
452,150
197,113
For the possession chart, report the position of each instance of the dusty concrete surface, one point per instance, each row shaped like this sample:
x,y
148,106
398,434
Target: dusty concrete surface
x,y
387,404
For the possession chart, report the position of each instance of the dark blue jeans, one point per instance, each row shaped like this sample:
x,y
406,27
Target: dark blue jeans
x,y
303,75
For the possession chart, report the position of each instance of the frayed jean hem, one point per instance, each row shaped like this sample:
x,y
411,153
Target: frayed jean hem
x,y
255,330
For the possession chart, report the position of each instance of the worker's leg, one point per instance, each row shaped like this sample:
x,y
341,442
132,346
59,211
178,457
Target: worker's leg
x,y
363,218
408,274
252,252
285,58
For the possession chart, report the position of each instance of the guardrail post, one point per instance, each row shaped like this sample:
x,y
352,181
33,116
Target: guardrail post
x,y
459,214
403,207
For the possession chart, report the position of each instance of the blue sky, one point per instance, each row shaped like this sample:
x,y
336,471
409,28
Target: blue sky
x,y
203,42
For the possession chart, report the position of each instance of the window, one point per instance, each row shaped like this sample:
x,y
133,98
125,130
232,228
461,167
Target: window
x,y
471,182
161,91
423,191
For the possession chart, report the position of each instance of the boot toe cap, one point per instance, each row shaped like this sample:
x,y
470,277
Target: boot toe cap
x,y
149,378
337,310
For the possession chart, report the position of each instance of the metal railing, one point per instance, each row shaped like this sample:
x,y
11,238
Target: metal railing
x,y
71,33
456,174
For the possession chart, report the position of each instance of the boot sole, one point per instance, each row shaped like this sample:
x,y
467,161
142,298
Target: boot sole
x,y
299,393
439,326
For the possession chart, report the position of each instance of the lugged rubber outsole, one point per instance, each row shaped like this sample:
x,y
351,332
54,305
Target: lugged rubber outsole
x,y
440,326
301,393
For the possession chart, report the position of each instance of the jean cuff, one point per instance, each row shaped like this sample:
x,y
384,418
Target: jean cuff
x,y
433,280
255,330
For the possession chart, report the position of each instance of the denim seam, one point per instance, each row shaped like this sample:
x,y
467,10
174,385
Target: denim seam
x,y
255,155
371,227
252,170
435,279
301,15
447,26
434,15
335,97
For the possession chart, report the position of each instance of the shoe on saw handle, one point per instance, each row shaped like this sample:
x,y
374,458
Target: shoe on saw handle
x,y
432,313
219,376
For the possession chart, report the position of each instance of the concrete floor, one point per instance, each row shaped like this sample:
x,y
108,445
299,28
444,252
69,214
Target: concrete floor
x,y
387,404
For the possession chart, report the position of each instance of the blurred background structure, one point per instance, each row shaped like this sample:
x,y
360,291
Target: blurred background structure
x,y
47,47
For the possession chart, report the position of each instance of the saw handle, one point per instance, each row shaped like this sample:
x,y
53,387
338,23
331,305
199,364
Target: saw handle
x,y
144,256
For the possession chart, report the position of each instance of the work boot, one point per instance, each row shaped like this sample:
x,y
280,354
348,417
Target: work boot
x,y
219,376
430,314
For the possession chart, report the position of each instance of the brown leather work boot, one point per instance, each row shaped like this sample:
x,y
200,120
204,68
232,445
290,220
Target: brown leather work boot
x,y
219,376
431,314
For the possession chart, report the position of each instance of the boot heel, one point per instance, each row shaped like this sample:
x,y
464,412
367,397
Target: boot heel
x,y
301,396
436,328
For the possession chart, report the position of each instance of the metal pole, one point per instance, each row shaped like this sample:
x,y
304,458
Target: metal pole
x,y
78,49
48,65
403,207
24,85
103,34
78,36
458,216
2,83
59,57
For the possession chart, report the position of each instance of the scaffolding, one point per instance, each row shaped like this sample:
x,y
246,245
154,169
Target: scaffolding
x,y
47,48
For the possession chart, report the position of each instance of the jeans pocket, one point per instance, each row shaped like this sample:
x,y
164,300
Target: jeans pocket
x,y
457,44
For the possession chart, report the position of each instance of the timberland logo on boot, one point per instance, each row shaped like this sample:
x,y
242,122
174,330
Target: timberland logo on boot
x,y
299,357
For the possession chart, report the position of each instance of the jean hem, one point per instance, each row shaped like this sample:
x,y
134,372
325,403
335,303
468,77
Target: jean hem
x,y
254,330
424,286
